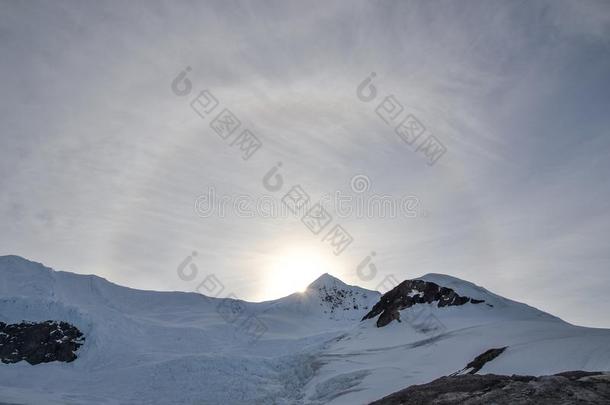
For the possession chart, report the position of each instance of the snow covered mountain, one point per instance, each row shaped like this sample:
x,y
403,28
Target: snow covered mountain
x,y
145,347
327,298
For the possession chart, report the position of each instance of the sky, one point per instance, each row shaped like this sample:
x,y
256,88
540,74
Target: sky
x,y
113,161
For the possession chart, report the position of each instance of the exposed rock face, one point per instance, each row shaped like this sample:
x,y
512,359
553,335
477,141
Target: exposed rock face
x,y
39,342
574,387
412,292
477,364
338,299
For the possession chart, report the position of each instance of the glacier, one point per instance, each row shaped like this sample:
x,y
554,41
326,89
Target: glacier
x,y
149,347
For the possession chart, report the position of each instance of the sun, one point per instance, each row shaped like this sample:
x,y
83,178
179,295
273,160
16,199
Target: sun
x,y
293,269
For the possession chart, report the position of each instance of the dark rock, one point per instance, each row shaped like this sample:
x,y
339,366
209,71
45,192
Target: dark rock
x,y
574,387
412,292
483,358
338,298
477,364
39,342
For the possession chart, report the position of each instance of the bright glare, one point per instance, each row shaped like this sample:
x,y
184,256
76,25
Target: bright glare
x,y
293,270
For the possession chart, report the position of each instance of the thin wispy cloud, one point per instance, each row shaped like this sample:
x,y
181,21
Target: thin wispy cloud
x,y
102,164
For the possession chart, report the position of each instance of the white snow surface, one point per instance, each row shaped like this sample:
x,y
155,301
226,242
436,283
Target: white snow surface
x,y
146,347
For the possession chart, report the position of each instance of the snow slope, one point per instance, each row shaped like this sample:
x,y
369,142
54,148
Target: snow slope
x,y
145,347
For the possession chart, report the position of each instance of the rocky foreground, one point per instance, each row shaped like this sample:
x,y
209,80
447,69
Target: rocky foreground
x,y
574,387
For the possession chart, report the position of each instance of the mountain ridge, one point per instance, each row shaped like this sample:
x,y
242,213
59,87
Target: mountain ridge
x,y
290,350
326,278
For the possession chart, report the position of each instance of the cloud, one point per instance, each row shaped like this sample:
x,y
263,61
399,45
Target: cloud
x,y
101,163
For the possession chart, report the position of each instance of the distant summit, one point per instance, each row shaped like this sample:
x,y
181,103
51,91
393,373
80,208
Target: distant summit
x,y
336,297
413,292
326,280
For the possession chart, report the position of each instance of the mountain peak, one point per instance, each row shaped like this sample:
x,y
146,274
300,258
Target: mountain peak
x,y
413,292
338,299
326,280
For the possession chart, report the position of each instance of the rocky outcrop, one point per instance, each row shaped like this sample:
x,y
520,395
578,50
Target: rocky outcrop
x,y
477,364
339,299
412,292
574,387
39,342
